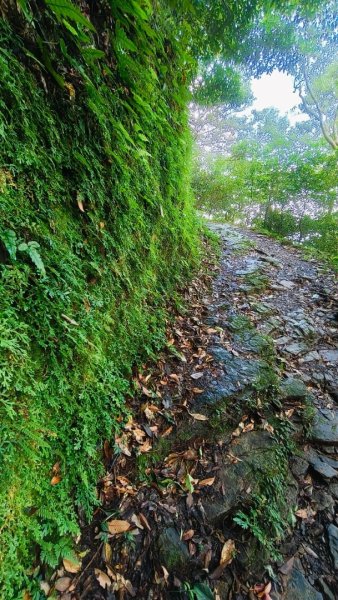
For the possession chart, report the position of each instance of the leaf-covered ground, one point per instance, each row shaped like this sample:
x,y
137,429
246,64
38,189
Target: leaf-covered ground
x,y
224,483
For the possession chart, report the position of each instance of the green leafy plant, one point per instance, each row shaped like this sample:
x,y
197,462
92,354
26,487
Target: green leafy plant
x,y
198,591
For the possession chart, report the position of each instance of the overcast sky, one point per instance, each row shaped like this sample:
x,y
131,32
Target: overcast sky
x,y
276,90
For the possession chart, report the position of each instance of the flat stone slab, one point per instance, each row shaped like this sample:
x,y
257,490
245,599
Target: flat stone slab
x,y
294,389
325,427
311,356
332,532
296,348
236,375
273,261
329,355
281,341
324,469
172,551
287,284
299,588
255,452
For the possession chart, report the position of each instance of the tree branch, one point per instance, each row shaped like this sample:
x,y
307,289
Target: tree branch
x,y
320,115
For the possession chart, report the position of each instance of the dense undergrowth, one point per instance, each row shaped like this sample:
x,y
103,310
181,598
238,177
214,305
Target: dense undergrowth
x,y
97,232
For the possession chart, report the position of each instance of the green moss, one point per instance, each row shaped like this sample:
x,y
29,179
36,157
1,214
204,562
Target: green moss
x,y
240,323
258,282
144,462
97,233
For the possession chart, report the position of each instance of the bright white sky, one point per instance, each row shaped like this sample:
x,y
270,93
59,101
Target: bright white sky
x,y
276,90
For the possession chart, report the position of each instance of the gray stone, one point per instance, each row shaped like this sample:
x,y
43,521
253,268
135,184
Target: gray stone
x,y
328,594
299,466
287,284
323,500
236,375
318,376
334,490
332,532
294,389
325,427
320,465
171,551
314,355
272,261
333,462
250,341
329,355
281,341
251,267
296,348
306,328
332,388
255,451
298,588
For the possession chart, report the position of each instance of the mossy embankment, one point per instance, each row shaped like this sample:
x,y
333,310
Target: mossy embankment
x,y
97,233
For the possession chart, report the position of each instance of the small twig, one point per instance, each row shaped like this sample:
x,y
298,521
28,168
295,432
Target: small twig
x,y
77,579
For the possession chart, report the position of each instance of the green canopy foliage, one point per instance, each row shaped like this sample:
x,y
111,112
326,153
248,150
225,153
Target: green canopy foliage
x,y
276,175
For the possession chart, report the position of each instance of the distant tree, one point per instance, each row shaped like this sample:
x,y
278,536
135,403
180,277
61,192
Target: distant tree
x,y
304,45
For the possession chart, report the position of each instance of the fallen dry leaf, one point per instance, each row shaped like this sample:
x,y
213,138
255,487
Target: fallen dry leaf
x,y
208,481
102,578
62,584
174,377
45,587
121,443
167,431
80,204
262,590
121,582
146,447
190,454
188,535
71,566
144,521
227,553
55,480
137,521
197,390
305,513
227,556
107,553
189,500
147,392
165,574
118,526
199,417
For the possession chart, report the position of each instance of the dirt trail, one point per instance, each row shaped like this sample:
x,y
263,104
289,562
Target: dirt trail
x,y
226,481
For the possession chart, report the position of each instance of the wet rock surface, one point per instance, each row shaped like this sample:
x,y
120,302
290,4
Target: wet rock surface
x,y
325,427
245,457
172,552
332,532
299,588
245,447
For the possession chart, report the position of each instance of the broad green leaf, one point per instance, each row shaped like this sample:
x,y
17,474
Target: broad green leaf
x,y
9,239
64,9
203,592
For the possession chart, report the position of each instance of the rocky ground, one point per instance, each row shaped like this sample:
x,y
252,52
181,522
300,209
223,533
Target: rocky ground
x,y
225,482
